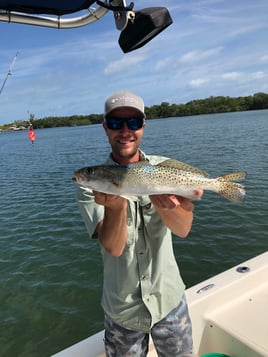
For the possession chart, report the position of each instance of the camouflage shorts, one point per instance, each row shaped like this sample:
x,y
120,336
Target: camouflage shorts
x,y
172,336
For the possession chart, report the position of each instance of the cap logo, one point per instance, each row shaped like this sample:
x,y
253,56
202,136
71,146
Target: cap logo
x,y
124,98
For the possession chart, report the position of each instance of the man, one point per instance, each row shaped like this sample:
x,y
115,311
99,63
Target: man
x,y
143,292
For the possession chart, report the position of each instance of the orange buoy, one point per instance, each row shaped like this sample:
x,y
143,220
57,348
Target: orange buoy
x,y
31,134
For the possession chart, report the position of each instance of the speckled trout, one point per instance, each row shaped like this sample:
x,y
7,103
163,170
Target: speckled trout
x,y
168,177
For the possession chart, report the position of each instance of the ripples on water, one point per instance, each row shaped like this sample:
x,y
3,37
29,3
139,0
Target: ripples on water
x,y
51,273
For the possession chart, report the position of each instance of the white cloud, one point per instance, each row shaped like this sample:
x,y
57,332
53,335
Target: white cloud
x,y
242,30
124,64
198,82
243,76
163,64
199,55
231,75
258,75
264,58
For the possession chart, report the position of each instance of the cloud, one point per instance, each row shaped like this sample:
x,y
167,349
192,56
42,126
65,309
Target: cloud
x,y
258,75
242,30
264,58
199,55
198,82
163,64
232,75
248,76
124,64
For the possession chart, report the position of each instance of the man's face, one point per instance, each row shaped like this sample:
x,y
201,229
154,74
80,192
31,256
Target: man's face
x,y
124,142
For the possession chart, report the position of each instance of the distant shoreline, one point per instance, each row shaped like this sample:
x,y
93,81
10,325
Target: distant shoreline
x,y
211,105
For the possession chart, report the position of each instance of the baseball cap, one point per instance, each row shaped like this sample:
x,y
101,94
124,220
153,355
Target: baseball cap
x,y
123,99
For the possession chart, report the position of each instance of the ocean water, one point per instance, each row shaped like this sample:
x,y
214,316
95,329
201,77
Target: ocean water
x,y
51,272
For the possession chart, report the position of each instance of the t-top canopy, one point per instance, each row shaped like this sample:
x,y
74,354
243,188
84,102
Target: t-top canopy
x,y
51,7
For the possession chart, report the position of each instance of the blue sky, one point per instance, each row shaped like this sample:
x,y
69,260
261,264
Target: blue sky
x,y
213,47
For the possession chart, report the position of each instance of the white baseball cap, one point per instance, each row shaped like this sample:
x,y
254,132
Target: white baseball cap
x,y
123,99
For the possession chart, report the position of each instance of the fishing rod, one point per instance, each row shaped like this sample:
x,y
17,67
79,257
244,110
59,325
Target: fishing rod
x,y
9,72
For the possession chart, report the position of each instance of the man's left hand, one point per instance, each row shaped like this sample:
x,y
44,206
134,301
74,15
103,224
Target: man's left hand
x,y
167,201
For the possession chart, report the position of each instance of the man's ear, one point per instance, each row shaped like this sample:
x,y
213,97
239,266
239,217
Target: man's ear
x,y
105,127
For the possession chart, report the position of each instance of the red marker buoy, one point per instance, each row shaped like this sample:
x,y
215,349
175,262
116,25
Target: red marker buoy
x,y
31,134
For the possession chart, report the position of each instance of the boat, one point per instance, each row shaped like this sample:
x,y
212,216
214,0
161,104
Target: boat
x,y
229,313
136,27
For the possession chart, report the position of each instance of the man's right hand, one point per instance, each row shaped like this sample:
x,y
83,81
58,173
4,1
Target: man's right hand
x,y
110,201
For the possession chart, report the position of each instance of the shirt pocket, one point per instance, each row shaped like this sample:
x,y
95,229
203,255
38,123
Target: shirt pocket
x,y
154,227
131,231
131,222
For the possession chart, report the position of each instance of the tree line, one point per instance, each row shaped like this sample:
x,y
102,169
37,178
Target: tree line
x,y
209,105
219,104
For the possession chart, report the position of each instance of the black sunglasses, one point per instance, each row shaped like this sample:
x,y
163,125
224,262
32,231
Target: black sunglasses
x,y
118,123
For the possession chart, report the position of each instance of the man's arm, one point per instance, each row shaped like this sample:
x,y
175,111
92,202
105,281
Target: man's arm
x,y
176,212
112,230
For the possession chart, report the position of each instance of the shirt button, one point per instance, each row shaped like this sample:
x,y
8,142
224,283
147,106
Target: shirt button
x,y
144,277
141,253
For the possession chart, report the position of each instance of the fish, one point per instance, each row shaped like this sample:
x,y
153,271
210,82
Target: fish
x,y
167,177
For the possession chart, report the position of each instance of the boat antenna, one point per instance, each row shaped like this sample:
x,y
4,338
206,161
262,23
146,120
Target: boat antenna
x,y
9,72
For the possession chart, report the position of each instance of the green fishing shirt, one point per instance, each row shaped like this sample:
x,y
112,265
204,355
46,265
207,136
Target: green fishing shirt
x,y
143,284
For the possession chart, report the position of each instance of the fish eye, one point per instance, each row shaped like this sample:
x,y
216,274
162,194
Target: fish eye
x,y
90,170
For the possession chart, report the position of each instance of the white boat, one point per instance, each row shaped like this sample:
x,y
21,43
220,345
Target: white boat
x,y
229,311
229,315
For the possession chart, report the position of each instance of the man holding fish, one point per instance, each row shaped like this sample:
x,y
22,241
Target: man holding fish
x,y
143,292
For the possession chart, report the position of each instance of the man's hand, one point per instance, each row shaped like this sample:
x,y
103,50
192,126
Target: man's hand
x,y
112,230
167,201
109,201
176,211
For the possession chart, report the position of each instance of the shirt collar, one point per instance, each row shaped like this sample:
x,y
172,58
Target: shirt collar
x,y
110,160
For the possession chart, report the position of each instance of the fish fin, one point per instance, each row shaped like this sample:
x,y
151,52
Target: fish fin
x,y
130,198
182,166
239,175
116,184
113,177
233,191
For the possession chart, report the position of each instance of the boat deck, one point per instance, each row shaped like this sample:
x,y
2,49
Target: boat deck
x,y
230,311
229,314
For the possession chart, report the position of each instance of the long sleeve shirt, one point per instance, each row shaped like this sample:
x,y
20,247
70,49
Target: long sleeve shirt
x,y
142,285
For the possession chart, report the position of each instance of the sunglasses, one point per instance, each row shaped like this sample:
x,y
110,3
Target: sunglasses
x,y
118,123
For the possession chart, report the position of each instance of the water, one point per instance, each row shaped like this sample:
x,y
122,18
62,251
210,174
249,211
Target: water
x,y
51,273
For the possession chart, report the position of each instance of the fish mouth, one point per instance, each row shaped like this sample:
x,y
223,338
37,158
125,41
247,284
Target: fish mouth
x,y
76,177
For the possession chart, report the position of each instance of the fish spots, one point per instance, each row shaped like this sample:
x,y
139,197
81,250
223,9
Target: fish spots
x,y
144,179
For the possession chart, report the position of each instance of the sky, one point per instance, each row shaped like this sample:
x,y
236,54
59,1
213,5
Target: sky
x,y
213,48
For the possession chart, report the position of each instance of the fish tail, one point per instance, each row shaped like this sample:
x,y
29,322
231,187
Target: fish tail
x,y
232,191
